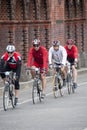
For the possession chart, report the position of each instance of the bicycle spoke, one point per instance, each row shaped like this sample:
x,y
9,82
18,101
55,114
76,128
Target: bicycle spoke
x,y
55,87
69,84
6,97
12,95
35,93
39,91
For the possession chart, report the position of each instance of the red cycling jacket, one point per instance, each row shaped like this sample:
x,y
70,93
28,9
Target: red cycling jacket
x,y
73,52
12,61
38,58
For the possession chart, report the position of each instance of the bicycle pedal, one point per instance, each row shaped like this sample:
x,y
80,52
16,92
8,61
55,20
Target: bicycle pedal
x,y
42,96
61,94
40,89
55,88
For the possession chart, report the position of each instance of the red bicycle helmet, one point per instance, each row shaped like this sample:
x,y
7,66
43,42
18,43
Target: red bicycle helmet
x,y
70,42
36,42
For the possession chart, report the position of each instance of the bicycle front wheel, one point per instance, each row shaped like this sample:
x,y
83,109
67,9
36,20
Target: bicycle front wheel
x,y
39,89
73,89
35,94
69,84
12,95
6,97
55,86
60,84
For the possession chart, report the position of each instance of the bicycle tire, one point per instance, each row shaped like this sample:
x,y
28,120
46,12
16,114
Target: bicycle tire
x,y
6,97
60,84
55,87
69,84
73,89
12,95
39,89
34,92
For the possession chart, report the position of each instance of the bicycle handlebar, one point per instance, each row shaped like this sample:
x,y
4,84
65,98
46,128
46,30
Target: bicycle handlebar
x,y
10,74
36,69
6,72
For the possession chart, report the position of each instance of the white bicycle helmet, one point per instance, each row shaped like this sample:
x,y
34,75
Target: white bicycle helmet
x,y
56,43
10,48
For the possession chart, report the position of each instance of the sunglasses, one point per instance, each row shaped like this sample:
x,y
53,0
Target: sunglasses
x,y
55,46
10,52
36,45
69,44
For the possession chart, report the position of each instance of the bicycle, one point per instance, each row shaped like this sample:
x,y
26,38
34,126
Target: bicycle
x,y
37,88
69,79
57,81
8,92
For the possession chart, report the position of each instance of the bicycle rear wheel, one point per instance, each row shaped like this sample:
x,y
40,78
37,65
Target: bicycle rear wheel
x,y
35,94
69,83
6,97
12,95
55,86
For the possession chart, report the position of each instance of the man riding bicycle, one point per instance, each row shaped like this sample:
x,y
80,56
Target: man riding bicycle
x,y
11,61
38,57
72,57
57,54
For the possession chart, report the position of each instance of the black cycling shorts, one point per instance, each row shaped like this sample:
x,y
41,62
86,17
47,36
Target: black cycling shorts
x,y
71,60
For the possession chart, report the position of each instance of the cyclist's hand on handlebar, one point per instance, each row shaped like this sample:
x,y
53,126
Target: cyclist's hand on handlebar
x,y
43,71
6,73
75,64
62,65
27,69
16,78
50,66
76,60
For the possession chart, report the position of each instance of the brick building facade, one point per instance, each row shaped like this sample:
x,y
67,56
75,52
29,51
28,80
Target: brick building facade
x,y
23,20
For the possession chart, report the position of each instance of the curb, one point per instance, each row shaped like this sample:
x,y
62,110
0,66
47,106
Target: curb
x,y
26,84
82,70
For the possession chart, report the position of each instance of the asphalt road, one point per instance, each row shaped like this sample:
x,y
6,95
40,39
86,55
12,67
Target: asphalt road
x,y
64,113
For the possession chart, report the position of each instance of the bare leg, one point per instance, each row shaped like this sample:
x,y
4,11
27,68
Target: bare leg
x,y
16,93
33,72
43,78
74,74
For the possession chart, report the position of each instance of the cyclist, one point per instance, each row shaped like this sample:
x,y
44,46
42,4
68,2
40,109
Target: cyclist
x,y
58,54
72,57
11,61
38,57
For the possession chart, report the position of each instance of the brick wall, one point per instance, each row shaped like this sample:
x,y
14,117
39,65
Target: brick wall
x,y
22,21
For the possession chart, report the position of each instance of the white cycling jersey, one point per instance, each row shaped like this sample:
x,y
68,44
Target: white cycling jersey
x,y
59,56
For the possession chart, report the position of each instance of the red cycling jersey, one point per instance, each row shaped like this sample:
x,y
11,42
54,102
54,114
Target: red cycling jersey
x,y
12,61
73,52
38,58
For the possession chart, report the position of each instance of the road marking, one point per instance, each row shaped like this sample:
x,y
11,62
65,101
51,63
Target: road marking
x,y
29,100
85,129
82,83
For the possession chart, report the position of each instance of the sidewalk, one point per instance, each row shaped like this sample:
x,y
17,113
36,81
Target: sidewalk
x,y
26,84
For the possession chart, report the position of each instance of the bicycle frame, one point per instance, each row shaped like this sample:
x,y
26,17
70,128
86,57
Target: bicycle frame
x,y
36,90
